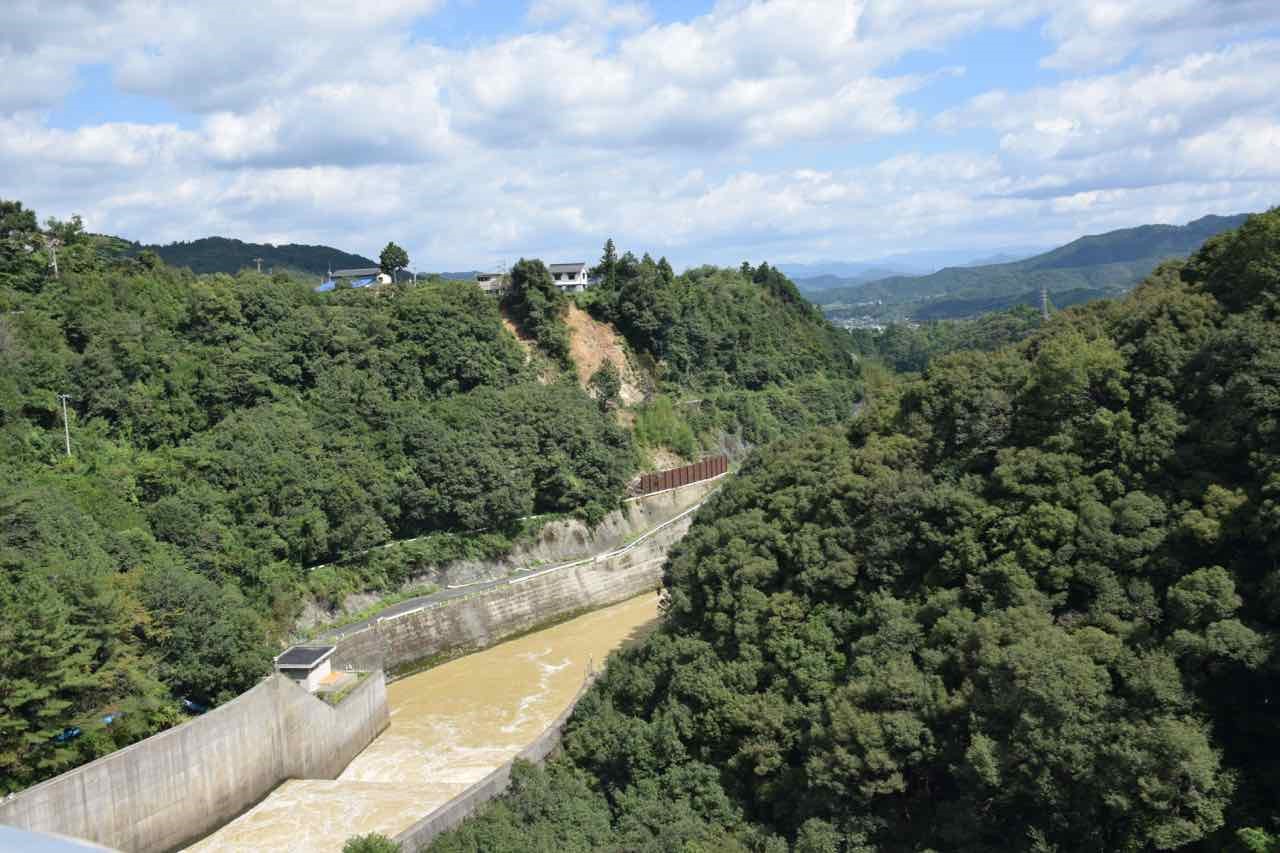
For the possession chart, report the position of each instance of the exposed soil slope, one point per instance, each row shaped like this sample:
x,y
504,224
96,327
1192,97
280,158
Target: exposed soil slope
x,y
592,343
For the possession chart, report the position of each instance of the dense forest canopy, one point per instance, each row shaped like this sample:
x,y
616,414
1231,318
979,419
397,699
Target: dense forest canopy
x,y
713,328
1026,600
240,442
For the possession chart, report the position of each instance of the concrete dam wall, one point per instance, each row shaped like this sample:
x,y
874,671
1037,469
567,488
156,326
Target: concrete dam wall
x,y
179,785
182,784
522,603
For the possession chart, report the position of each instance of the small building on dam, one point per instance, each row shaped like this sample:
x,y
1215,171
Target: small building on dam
x,y
307,665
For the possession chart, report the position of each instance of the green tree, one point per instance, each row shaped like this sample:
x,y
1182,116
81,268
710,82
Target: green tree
x,y
393,259
538,306
45,676
21,266
605,384
607,269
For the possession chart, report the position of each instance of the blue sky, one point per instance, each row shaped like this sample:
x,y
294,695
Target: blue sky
x,y
477,131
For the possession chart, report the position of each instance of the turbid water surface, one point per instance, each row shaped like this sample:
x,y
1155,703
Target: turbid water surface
x,y
450,726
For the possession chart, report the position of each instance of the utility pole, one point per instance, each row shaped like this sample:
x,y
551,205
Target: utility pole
x,y
258,261
66,425
52,243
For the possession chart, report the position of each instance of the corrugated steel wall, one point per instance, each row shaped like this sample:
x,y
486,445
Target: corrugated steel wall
x,y
705,469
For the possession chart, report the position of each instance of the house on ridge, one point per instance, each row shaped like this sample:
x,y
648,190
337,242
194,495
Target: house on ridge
x,y
570,278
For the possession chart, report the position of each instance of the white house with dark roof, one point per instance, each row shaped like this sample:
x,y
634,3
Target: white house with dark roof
x,y
570,278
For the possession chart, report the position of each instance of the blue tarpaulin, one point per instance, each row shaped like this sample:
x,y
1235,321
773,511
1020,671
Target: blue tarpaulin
x,y
329,284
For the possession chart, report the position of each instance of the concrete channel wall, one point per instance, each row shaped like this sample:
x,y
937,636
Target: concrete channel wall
x,y
462,806
569,539
474,622
181,784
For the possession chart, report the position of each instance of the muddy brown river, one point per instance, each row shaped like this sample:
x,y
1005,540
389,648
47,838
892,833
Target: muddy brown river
x,y
450,726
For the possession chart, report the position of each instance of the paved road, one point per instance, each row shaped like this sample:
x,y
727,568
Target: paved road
x,y
480,586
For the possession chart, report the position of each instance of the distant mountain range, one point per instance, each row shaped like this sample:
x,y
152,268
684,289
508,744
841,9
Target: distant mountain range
x,y
830,281
807,274
1088,268
820,274
223,254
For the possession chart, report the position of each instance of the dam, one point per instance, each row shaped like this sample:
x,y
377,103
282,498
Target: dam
x,y
231,772
450,727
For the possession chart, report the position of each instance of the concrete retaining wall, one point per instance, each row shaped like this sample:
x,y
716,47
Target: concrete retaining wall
x,y
568,539
182,784
558,542
477,621
179,785
454,812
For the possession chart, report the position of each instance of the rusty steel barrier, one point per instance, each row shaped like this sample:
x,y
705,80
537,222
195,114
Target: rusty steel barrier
x,y
672,478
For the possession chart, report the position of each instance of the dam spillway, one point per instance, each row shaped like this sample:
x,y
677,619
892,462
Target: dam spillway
x,y
450,726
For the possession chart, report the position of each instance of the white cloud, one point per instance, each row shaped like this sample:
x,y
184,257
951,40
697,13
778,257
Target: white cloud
x,y
307,121
1208,114
1095,34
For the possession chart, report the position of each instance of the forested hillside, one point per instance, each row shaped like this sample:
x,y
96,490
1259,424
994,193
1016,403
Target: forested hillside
x,y
230,434
227,255
1088,268
1027,601
227,433
734,351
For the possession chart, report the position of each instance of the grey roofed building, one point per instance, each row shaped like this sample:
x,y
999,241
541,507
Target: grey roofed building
x,y
303,657
307,665
570,278
355,273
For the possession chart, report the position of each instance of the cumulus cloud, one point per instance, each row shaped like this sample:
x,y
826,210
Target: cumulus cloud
x,y
1208,114
690,136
